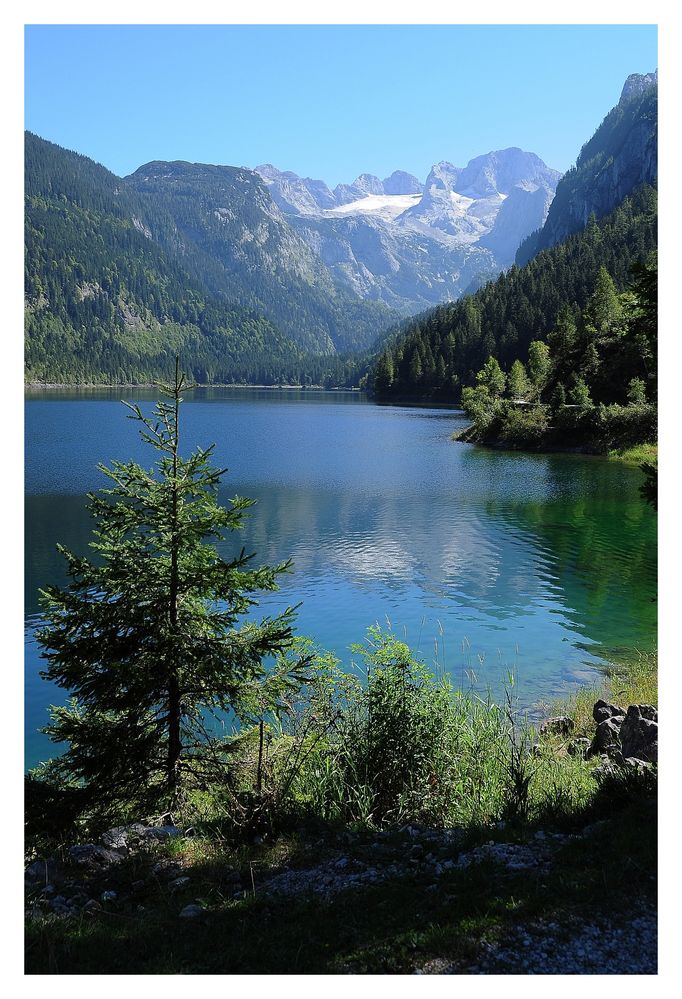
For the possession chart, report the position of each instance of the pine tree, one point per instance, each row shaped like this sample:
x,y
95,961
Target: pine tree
x,y
603,306
385,373
519,385
580,394
539,364
492,377
145,636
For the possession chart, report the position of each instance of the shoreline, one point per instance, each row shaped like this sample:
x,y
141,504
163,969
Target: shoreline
x,y
40,386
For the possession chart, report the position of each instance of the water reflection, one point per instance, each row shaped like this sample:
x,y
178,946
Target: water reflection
x,y
543,564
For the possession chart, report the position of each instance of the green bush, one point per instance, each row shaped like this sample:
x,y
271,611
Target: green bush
x,y
624,426
524,426
402,746
480,406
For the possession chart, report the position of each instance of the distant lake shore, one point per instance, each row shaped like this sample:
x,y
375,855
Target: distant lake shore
x,y
37,386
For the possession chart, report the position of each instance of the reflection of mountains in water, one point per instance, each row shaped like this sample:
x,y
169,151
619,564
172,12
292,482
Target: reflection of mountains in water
x,y
589,562
559,565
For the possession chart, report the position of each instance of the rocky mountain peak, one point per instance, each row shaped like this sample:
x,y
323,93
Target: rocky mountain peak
x,y
402,183
636,84
442,176
367,183
499,171
268,172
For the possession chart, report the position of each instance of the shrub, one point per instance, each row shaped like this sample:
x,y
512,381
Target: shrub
x,y
624,426
525,427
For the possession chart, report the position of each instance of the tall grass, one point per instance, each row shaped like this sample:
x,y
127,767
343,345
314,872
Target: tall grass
x,y
394,743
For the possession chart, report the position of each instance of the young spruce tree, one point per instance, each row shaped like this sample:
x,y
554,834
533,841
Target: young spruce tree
x,y
145,636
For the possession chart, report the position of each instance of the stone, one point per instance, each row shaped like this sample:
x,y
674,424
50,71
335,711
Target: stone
x,y
136,834
167,867
639,733
638,766
94,857
603,710
109,896
559,725
77,901
118,837
607,735
604,771
42,871
60,908
192,911
178,883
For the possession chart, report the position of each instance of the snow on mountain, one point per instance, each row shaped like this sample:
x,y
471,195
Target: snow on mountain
x,y
384,206
410,244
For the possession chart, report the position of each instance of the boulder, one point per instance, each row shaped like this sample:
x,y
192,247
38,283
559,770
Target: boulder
x,y
42,871
560,725
602,710
119,837
639,733
605,770
637,766
192,911
178,883
607,736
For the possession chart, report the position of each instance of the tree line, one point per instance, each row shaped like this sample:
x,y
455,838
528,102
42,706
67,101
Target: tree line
x,y
438,354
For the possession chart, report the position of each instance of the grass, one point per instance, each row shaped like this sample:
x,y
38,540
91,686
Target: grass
x,y
633,681
637,455
470,767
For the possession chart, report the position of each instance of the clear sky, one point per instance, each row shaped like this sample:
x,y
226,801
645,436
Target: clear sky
x,y
326,101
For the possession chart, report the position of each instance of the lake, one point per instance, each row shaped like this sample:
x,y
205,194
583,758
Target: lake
x,y
484,561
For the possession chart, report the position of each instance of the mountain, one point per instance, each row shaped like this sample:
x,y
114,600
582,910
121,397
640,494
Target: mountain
x,y
411,245
601,222
104,301
239,242
121,273
620,156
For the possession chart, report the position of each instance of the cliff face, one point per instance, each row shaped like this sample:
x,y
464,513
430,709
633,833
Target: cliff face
x,y
620,156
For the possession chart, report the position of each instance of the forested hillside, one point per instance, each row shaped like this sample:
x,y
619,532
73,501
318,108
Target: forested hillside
x,y
440,352
114,289
227,229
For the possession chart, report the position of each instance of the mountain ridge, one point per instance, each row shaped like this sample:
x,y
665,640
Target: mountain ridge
x,y
119,277
412,245
620,156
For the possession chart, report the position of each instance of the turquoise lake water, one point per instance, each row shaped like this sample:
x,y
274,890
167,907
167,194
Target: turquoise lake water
x,y
489,561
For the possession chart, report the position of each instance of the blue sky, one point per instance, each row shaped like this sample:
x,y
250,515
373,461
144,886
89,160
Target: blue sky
x,y
326,101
